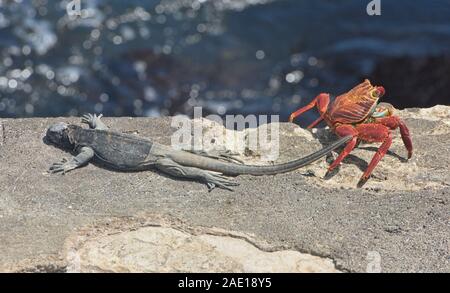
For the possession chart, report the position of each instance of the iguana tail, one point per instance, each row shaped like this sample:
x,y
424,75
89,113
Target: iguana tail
x,y
226,168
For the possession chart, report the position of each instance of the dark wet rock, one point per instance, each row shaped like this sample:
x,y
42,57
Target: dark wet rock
x,y
414,82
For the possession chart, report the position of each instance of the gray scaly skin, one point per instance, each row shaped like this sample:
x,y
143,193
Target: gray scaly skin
x,y
132,153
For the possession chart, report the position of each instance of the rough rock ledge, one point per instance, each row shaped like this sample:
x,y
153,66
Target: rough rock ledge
x,y
99,220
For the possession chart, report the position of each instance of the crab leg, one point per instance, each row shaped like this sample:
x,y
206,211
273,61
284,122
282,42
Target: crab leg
x,y
394,122
406,137
377,157
375,133
344,130
315,122
321,101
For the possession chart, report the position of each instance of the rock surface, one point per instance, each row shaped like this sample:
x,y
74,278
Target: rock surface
x,y
84,220
414,81
171,247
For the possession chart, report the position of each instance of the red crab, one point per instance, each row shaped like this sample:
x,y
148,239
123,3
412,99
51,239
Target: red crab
x,y
359,114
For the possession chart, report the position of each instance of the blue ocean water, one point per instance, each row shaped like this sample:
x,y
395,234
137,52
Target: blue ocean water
x,y
163,57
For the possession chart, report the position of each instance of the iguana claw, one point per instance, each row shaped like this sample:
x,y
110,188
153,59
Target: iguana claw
x,y
94,121
84,156
215,180
62,167
210,178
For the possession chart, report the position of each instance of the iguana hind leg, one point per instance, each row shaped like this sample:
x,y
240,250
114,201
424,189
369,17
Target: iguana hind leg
x,y
212,179
225,155
85,155
94,121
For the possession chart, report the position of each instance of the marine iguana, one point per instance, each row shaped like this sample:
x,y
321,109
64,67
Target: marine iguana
x,y
132,153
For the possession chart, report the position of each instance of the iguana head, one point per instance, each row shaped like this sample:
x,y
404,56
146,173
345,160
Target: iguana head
x,y
57,134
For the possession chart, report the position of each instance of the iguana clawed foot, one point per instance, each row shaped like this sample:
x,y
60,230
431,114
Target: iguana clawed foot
x,y
216,180
63,167
212,179
94,121
84,156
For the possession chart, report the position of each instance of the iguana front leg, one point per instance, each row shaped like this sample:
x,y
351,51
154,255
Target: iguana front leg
x,y
94,121
212,179
85,155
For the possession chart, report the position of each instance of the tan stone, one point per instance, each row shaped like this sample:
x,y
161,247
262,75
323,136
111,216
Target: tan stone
x,y
166,249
